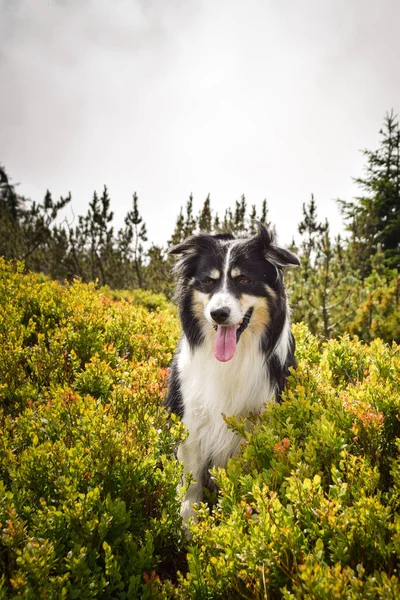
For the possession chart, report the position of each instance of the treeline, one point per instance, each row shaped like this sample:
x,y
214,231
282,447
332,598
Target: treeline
x,y
343,284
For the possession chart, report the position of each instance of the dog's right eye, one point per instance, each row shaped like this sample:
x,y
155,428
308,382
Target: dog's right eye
x,y
208,281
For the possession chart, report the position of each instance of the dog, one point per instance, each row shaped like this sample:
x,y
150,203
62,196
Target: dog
x,y
236,347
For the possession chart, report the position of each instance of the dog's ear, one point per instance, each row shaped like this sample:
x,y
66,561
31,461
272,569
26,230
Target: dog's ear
x,y
282,258
277,256
193,244
187,246
188,256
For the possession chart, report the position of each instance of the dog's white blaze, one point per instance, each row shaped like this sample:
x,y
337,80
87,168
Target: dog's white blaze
x,y
223,298
211,389
226,265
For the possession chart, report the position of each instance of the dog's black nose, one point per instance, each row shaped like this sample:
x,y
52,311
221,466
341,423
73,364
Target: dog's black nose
x,y
220,315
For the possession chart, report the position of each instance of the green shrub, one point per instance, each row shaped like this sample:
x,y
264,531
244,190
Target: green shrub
x,y
88,503
309,509
138,297
88,478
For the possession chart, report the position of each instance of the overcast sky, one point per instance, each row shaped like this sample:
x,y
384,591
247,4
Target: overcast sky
x,y
271,98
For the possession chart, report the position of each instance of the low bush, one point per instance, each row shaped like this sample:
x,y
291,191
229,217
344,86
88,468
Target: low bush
x,y
88,478
138,297
88,503
310,508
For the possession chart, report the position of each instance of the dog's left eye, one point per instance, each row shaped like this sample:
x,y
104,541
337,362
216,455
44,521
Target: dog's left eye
x,y
243,280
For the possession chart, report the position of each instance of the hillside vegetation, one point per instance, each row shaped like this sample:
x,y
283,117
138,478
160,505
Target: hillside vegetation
x,y
88,498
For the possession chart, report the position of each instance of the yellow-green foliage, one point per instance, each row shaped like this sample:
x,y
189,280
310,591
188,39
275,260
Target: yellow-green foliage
x,y
310,507
88,479
88,501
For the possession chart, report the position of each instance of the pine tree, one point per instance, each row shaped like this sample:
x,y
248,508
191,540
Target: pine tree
x,y
228,224
10,202
264,213
158,271
252,228
96,226
374,218
240,215
185,224
135,234
189,225
235,222
264,218
205,217
178,234
310,229
37,224
253,219
11,238
321,289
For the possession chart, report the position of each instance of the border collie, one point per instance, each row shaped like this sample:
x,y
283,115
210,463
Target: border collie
x,y
236,347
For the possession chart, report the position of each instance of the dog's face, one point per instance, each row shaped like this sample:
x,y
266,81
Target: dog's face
x,y
231,285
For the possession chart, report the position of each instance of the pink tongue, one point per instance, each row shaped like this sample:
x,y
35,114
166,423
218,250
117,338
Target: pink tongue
x,y
225,343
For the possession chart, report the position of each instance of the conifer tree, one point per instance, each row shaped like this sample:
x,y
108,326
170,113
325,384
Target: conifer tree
x,y
158,271
189,225
374,218
319,287
77,250
37,224
240,214
253,219
99,233
10,213
10,202
263,218
264,213
217,224
135,235
310,229
178,233
228,222
185,224
205,217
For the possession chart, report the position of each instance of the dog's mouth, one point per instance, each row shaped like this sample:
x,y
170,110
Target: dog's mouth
x,y
228,337
244,324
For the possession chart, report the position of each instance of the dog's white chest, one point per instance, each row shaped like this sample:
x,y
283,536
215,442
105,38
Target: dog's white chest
x,y
211,388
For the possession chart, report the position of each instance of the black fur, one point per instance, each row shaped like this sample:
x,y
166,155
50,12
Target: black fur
x,y
262,262
280,373
174,400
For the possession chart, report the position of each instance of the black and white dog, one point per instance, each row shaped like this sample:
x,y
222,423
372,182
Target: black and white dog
x,y
236,347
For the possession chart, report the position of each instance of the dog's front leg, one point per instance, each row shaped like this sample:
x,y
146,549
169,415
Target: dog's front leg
x,y
190,454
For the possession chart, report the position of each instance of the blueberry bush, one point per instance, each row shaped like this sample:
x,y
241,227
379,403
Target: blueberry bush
x,y
310,508
89,506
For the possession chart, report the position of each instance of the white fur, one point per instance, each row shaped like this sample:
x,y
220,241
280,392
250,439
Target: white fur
x,y
227,300
281,349
226,265
212,389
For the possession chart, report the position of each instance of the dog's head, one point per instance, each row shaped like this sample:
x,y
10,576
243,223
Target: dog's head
x,y
230,284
